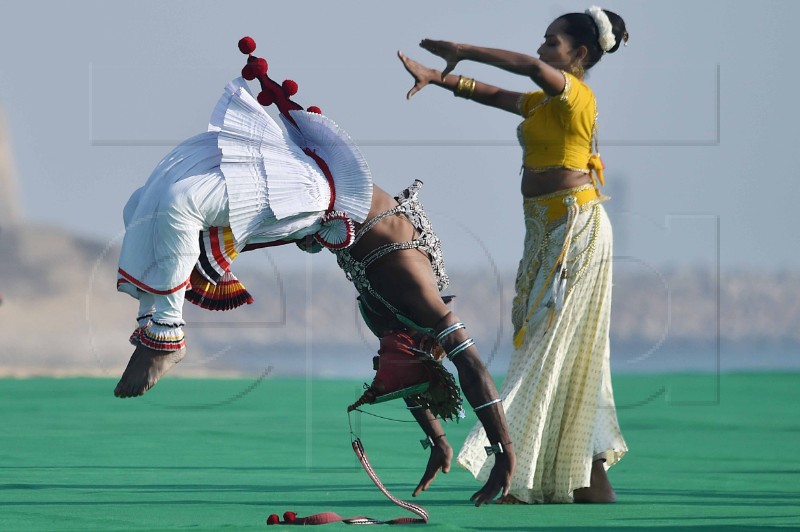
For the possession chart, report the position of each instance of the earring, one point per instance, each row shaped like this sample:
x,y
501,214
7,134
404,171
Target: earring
x,y
577,70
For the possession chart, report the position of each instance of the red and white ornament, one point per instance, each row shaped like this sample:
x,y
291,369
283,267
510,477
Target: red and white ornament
x,y
337,231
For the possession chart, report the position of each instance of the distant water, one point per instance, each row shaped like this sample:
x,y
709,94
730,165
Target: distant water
x,y
356,361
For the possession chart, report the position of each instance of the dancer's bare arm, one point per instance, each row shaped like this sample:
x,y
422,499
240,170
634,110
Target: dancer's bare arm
x,y
550,79
477,385
484,93
406,279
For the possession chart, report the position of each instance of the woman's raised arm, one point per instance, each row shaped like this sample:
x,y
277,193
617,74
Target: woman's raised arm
x,y
467,88
550,79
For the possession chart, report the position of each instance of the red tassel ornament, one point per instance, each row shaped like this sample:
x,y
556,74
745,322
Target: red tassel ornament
x,y
265,98
229,293
247,45
289,87
260,66
249,72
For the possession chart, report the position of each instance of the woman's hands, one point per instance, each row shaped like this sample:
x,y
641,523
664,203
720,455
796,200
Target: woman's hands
x,y
423,75
449,51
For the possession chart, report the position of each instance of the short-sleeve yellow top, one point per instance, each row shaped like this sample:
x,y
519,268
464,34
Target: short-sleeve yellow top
x,y
557,131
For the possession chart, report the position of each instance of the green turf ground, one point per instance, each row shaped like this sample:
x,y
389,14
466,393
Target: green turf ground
x,y
706,452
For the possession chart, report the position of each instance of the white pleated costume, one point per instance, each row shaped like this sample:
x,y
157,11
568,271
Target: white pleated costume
x,y
246,173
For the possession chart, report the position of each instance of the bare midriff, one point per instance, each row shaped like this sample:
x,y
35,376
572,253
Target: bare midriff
x,y
539,183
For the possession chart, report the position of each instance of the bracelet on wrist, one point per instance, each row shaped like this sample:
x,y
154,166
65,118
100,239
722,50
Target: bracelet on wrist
x,y
497,448
431,441
464,88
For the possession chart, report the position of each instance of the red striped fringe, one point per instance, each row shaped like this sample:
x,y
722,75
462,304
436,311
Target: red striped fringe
x,y
161,345
227,294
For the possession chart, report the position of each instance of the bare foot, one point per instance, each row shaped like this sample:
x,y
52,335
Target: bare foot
x,y
509,499
599,490
144,369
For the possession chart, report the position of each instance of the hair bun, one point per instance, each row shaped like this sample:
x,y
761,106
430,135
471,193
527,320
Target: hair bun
x,y
620,32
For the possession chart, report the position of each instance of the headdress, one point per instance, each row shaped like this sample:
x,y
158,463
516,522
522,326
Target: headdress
x,y
605,32
331,149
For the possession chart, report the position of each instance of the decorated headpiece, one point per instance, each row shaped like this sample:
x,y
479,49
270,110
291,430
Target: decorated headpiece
x,y
271,92
605,31
351,202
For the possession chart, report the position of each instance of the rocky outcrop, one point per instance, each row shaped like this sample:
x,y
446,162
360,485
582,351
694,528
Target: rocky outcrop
x,y
10,206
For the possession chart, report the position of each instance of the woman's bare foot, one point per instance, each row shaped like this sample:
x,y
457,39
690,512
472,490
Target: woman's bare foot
x,y
509,499
599,490
144,369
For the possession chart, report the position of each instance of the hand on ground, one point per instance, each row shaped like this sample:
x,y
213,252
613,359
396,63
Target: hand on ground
x,y
441,456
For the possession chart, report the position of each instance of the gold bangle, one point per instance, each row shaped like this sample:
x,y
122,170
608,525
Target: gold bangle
x,y
464,88
470,88
459,87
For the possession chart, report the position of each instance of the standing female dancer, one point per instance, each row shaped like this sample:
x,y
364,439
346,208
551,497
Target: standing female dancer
x,y
557,392
246,183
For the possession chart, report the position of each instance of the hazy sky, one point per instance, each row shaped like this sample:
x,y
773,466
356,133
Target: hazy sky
x,y
695,126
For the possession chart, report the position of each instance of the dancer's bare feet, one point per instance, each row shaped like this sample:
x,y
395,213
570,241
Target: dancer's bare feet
x,y
144,369
599,490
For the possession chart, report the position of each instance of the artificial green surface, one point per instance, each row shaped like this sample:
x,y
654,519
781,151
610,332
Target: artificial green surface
x,y
706,451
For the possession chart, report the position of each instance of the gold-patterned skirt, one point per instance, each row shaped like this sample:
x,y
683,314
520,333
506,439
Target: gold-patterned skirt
x,y
557,392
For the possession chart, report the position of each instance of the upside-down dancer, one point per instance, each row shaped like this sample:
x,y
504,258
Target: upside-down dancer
x,y
246,183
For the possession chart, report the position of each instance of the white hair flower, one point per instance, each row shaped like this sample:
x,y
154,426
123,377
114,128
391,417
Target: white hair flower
x,y
606,39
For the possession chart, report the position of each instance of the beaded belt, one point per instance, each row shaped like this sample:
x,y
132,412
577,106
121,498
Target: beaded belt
x,y
557,203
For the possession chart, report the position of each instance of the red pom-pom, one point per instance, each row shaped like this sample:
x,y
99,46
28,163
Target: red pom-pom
x,y
273,519
247,45
290,87
249,72
265,98
289,517
314,109
260,66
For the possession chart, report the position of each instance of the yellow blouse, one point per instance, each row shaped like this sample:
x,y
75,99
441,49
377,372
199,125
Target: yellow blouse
x,y
557,131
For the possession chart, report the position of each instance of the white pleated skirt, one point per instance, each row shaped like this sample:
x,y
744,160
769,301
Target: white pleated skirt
x,y
246,173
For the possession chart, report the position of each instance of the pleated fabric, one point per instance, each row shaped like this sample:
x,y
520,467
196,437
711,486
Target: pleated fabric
x,y
557,393
246,173
351,174
266,167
